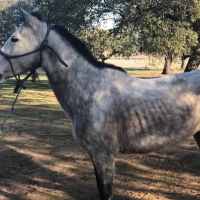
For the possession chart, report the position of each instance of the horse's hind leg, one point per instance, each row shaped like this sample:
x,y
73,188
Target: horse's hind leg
x,y
197,138
104,169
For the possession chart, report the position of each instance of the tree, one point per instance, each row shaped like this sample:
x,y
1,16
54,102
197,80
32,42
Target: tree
x,y
166,38
70,13
9,15
104,44
183,58
194,60
164,27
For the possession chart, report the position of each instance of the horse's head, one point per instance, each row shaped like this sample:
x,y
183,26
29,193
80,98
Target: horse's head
x,y
27,38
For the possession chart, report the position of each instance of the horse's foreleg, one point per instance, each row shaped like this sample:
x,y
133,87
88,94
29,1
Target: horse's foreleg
x,y
104,169
197,138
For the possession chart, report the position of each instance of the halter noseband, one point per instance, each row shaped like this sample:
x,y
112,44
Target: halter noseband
x,y
44,45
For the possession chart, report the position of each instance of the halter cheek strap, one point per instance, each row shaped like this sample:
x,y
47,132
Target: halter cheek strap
x,y
44,45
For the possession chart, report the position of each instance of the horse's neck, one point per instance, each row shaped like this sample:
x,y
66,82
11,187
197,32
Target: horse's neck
x,y
65,89
69,84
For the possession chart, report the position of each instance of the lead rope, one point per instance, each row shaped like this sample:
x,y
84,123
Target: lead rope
x,y
11,109
19,86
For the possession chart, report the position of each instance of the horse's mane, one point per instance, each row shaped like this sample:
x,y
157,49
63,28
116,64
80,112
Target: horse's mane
x,y
79,46
82,49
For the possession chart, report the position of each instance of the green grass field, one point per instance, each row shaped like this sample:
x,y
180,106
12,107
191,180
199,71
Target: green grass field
x,y
34,104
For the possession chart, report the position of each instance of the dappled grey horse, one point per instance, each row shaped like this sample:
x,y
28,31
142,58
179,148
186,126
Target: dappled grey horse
x,y
110,111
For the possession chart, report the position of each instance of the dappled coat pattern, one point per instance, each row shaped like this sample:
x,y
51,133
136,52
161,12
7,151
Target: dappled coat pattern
x,y
110,111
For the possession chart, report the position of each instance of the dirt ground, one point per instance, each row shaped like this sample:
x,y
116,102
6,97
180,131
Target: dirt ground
x,y
52,167
39,160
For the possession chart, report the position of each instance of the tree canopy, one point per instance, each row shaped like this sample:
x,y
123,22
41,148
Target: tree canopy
x,y
104,44
79,17
156,27
70,13
166,28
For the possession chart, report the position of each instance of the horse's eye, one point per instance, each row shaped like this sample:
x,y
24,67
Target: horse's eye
x,y
14,39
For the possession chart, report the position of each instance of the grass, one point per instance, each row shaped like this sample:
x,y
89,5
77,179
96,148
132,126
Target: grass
x,y
149,73
34,105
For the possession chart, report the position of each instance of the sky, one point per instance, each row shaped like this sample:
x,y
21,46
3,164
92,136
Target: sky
x,y
107,22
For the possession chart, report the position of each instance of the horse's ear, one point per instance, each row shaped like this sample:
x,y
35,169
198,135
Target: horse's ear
x,y
27,18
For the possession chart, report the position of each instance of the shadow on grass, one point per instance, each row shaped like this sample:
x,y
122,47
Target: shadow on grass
x,y
39,86
19,176
170,174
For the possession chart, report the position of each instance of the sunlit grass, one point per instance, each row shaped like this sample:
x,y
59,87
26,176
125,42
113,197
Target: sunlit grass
x,y
149,73
35,104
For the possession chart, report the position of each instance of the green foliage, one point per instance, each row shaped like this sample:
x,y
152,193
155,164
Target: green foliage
x,y
69,13
104,43
161,37
156,27
164,27
9,16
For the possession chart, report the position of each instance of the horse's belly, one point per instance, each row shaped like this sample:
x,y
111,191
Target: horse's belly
x,y
153,142
154,129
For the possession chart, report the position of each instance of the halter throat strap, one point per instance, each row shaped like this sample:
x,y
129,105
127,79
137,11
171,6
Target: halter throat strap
x,y
44,45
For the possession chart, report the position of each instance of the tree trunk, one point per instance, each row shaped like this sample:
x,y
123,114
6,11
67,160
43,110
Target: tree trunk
x,y
194,60
103,58
183,58
35,76
182,63
167,65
